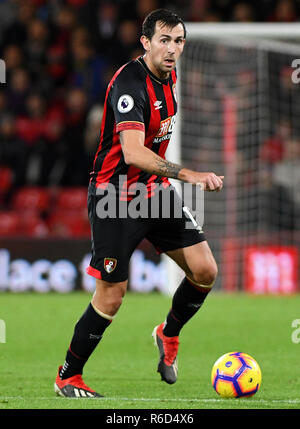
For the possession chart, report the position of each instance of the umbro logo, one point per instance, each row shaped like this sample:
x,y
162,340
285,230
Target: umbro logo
x,y
157,104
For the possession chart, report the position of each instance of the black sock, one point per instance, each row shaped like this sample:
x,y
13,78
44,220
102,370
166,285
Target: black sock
x,y
187,300
87,334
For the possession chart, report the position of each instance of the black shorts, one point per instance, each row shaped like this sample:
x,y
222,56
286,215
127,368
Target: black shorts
x,y
114,239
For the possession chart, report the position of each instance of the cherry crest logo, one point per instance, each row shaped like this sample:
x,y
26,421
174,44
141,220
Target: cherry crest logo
x,y
110,264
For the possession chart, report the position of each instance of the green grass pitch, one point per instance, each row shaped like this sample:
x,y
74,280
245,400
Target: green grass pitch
x,y
123,367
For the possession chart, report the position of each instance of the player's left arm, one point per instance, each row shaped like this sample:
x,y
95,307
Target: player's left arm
x,y
135,153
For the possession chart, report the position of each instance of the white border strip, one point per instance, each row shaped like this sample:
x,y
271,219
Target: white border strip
x,y
230,29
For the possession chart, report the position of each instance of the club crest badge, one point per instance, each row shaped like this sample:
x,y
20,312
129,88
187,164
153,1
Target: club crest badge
x,y
110,264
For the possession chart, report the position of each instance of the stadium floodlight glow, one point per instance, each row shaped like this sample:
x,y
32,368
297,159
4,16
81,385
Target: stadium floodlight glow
x,y
236,84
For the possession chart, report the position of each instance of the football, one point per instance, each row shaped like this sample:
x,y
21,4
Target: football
x,y
236,375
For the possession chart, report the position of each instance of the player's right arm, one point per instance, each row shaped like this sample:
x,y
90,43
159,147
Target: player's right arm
x,y
138,155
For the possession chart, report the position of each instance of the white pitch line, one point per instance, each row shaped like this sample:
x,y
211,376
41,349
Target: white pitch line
x,y
204,400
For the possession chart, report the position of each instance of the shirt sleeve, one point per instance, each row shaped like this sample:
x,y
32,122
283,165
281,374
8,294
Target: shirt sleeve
x,y
128,103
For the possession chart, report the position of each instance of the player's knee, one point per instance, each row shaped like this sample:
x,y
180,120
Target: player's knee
x,y
108,306
207,275
108,297
113,304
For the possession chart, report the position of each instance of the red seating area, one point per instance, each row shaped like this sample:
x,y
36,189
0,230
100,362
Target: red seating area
x,y
46,212
6,180
31,198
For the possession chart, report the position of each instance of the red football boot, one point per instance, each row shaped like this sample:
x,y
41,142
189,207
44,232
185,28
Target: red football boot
x,y
168,349
73,387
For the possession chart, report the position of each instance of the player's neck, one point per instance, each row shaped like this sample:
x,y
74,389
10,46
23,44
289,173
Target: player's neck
x,y
158,73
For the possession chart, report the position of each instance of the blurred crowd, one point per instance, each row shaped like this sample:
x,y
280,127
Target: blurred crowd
x,y
60,56
240,118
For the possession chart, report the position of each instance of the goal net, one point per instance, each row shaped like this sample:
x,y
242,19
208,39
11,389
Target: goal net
x,y
239,116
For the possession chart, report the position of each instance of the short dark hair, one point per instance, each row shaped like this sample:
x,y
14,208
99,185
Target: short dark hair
x,y
167,17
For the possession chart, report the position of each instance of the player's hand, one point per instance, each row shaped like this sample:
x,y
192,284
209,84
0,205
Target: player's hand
x,y
209,181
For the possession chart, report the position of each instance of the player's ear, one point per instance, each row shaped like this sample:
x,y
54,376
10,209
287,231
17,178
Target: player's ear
x,y
145,42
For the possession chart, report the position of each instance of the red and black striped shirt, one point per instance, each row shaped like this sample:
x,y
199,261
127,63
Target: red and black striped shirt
x,y
135,99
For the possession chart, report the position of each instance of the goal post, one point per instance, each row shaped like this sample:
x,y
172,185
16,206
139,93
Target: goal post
x,y
260,31
238,116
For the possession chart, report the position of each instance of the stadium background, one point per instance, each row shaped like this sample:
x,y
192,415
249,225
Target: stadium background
x,y
59,57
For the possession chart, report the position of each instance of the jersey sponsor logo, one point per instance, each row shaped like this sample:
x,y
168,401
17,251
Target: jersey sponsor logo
x,y
110,264
125,103
165,129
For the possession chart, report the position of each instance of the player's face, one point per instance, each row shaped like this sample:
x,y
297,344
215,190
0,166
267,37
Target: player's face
x,y
164,49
